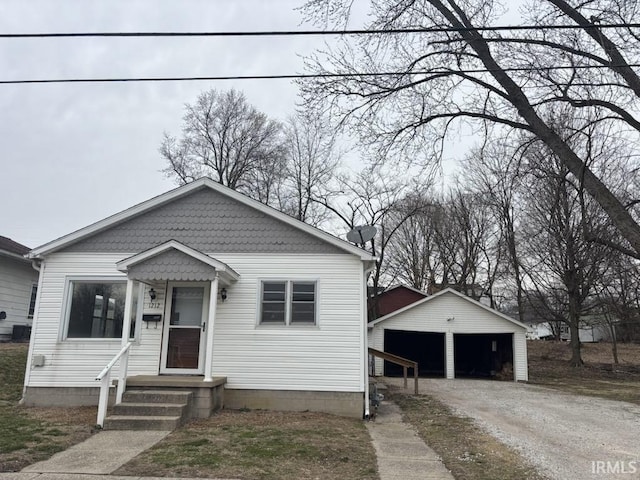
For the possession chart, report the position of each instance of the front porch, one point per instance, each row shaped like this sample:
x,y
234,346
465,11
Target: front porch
x,y
184,286
164,402
208,395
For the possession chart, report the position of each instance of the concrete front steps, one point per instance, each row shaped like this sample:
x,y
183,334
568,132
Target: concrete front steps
x,y
150,410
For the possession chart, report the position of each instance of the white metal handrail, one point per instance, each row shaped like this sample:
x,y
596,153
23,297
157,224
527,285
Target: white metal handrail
x,y
104,377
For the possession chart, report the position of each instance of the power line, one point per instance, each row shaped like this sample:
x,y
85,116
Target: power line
x,y
304,76
289,33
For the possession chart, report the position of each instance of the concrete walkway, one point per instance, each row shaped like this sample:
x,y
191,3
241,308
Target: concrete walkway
x,y
401,452
95,458
101,454
82,476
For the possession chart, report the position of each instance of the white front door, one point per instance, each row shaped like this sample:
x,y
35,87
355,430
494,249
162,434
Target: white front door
x,y
183,339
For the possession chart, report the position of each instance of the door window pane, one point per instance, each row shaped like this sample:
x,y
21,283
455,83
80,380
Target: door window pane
x,y
184,348
186,306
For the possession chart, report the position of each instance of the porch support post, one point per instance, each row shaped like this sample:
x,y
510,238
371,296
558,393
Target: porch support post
x,y
126,328
213,304
126,321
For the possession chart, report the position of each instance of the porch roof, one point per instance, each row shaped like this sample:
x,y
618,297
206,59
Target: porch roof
x,y
175,261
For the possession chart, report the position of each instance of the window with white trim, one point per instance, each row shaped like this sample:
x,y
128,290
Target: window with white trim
x,y
95,309
288,302
32,300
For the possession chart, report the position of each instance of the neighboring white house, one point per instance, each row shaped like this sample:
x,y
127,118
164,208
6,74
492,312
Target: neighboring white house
x,y
539,331
593,328
18,285
451,335
215,284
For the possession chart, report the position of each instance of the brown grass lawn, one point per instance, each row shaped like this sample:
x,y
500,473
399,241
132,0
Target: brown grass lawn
x,y
28,435
244,445
549,366
272,445
262,445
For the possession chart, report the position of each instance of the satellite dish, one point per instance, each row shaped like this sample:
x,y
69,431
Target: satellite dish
x,y
362,234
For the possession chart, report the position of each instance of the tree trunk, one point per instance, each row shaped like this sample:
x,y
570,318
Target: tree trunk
x,y
614,341
576,358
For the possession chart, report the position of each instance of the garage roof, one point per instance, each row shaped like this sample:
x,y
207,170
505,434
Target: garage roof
x,y
440,294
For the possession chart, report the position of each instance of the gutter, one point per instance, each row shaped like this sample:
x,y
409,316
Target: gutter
x,y
367,268
38,266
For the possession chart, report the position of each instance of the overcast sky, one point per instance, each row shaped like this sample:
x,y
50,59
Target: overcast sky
x,y
72,154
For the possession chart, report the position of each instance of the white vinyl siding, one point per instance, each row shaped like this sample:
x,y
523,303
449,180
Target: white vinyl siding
x,y
324,358
17,278
465,317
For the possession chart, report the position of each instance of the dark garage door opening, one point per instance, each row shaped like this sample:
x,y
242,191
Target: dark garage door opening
x,y
426,348
483,355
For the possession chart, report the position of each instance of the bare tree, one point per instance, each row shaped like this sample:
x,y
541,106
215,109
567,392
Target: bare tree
x,y
618,300
560,264
414,258
312,160
495,172
462,236
495,80
225,138
375,197
451,241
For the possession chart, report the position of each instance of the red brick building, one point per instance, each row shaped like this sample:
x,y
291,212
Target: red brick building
x,y
394,299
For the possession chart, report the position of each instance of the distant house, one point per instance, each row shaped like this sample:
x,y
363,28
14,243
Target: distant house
x,y
18,287
204,286
595,328
394,298
539,331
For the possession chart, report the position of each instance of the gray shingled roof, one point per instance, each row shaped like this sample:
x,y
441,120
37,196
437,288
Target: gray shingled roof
x,y
11,246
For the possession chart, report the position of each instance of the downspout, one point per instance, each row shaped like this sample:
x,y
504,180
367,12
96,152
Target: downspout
x,y
38,265
367,268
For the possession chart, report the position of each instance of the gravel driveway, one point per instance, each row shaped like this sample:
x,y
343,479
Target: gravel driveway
x,y
566,436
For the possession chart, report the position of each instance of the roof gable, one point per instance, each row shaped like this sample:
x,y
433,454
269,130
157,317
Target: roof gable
x,y
175,261
447,291
207,216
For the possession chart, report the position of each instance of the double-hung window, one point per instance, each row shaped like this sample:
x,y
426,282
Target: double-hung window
x,y
287,302
95,309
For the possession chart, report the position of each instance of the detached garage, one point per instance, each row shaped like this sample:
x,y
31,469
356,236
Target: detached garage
x,y
451,335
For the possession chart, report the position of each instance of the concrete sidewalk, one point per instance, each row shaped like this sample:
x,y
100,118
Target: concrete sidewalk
x,y
82,476
401,453
101,454
94,459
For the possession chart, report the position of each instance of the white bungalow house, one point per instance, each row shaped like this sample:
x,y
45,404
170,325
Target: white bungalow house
x,y
18,284
206,287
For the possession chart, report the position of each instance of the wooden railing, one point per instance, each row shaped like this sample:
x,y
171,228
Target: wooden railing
x,y
104,377
405,363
